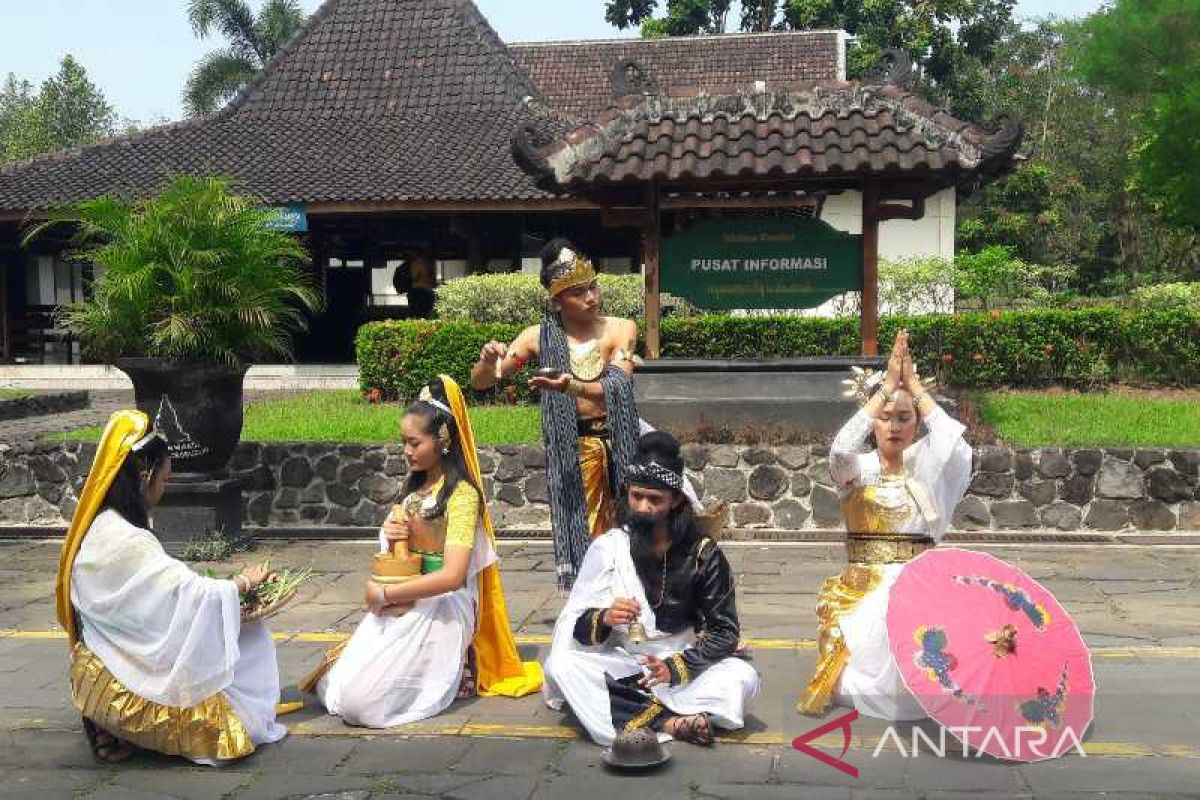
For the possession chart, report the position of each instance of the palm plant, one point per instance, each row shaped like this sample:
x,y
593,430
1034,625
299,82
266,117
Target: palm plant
x,y
253,39
194,272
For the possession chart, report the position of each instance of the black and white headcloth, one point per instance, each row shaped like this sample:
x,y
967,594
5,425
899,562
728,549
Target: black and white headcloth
x,y
654,475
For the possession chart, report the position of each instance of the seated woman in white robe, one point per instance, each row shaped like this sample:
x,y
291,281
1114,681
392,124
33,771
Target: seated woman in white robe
x,y
159,656
409,657
648,634
898,498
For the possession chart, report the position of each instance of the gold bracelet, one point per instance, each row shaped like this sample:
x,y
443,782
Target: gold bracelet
x,y
575,388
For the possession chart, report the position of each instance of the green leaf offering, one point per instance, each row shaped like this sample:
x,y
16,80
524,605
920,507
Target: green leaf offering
x,y
272,594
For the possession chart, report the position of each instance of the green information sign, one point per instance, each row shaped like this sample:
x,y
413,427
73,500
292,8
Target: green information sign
x,y
761,263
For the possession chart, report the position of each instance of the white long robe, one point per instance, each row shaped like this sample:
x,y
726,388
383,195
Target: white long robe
x,y
940,463
168,634
397,670
575,672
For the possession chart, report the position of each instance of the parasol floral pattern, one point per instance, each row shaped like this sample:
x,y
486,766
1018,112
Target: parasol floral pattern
x,y
1017,600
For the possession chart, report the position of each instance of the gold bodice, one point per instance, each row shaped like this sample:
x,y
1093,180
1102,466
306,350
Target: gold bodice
x,y
431,534
875,517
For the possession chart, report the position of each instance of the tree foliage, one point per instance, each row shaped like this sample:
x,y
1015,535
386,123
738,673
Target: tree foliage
x,y
1074,200
953,40
1146,53
67,111
253,40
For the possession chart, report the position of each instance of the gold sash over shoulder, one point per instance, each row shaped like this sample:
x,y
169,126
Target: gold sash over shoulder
x,y
211,729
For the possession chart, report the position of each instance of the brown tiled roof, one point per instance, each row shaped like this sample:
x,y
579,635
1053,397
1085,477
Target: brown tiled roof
x,y
373,100
576,77
394,100
292,160
824,130
391,58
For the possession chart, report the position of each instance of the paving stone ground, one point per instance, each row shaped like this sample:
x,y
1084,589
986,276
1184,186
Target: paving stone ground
x,y
1137,607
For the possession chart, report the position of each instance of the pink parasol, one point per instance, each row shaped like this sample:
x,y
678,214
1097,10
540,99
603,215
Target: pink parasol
x,y
991,655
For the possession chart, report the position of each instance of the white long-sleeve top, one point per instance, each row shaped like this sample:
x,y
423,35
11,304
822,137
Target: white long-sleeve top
x,y
938,465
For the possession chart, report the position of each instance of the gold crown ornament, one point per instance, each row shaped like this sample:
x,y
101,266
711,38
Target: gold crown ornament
x,y
443,431
863,380
860,383
571,270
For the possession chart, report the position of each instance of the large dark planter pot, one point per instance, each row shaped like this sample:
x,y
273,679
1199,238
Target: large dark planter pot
x,y
196,405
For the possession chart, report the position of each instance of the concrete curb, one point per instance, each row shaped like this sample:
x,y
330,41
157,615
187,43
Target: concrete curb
x,y
101,377
43,404
738,535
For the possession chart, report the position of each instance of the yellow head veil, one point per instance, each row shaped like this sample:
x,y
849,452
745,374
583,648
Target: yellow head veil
x,y
124,428
501,671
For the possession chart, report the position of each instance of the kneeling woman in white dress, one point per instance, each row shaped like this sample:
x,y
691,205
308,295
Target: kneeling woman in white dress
x,y
159,656
898,498
407,660
648,634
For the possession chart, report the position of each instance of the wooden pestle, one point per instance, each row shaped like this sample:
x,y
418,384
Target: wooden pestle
x,y
397,564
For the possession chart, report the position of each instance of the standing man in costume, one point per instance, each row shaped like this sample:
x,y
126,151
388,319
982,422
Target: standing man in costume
x,y
648,635
898,495
589,419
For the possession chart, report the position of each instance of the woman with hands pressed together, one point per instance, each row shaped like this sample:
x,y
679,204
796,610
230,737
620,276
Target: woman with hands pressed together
x,y
898,494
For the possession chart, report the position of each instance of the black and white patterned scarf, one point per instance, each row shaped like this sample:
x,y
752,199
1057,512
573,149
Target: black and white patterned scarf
x,y
560,431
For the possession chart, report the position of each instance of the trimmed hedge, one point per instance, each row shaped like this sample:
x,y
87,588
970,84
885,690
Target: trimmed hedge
x,y
520,299
1082,347
398,357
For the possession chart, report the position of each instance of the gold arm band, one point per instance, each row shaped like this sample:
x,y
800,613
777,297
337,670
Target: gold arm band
x,y
681,669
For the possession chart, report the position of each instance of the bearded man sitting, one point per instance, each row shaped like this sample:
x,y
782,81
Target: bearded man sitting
x,y
648,635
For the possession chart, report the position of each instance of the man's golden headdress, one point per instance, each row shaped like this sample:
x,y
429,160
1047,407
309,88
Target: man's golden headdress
x,y
570,270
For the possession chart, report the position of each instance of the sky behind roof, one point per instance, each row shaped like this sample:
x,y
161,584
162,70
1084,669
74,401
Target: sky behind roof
x,y
139,52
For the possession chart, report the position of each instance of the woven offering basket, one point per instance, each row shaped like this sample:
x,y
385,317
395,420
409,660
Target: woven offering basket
x,y
265,612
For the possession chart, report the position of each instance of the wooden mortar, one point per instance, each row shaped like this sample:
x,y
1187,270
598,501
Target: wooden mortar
x,y
398,565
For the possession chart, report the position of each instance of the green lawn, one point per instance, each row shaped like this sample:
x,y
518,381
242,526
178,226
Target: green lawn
x,y
13,394
1023,419
342,416
1033,419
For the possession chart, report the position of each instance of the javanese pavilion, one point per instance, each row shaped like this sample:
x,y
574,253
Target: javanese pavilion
x,y
391,128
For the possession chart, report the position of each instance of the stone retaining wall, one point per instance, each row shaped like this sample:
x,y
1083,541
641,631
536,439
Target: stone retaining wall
x,y
778,488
